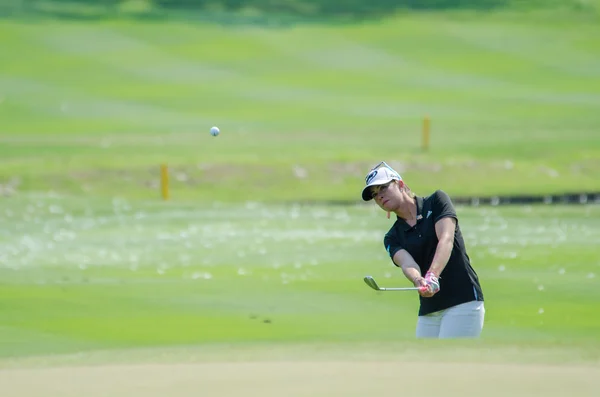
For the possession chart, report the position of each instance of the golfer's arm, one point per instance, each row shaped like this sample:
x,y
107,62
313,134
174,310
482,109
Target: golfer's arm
x,y
409,267
444,228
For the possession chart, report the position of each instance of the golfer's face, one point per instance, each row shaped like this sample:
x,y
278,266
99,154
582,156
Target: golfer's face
x,y
383,195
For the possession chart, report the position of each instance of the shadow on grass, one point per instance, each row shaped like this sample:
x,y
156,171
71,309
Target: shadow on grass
x,y
265,13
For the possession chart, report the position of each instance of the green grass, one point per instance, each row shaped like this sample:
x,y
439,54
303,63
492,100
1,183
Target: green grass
x,y
80,275
94,108
91,259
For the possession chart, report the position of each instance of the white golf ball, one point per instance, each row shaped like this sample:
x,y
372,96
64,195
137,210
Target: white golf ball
x,y
214,131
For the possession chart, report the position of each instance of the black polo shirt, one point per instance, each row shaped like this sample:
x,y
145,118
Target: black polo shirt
x,y
458,282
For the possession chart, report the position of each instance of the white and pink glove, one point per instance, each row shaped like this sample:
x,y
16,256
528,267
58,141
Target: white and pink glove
x,y
432,282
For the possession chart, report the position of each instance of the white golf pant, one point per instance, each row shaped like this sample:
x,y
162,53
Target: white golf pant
x,y
460,321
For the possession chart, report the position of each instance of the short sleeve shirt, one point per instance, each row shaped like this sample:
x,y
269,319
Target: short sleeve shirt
x,y
459,282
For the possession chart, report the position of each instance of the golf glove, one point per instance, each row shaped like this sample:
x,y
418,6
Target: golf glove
x,y
432,281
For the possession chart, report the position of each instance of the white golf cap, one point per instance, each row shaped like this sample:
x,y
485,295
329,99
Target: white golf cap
x,y
380,175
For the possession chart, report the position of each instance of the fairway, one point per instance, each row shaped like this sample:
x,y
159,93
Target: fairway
x,y
95,108
248,280
100,275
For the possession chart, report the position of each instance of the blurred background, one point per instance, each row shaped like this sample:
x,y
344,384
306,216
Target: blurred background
x,y
488,97
125,225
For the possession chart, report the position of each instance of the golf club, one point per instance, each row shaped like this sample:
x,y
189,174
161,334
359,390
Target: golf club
x,y
370,281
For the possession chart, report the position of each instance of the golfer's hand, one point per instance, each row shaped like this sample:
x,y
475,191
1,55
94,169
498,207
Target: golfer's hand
x,y
432,282
424,288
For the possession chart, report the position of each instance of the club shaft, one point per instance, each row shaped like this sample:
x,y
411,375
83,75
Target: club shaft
x,y
373,284
399,289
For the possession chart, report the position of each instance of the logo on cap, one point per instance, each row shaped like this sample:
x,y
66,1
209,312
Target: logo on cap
x,y
371,176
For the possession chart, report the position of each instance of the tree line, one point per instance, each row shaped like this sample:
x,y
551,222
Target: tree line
x,y
313,8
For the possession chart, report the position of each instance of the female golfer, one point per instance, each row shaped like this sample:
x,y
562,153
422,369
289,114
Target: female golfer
x,y
425,241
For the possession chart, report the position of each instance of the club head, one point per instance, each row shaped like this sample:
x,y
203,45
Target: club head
x,y
371,283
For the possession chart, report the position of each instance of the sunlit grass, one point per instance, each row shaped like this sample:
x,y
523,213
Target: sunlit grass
x,y
99,274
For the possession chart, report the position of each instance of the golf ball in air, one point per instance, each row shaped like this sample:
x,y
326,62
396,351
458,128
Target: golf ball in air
x,y
214,131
